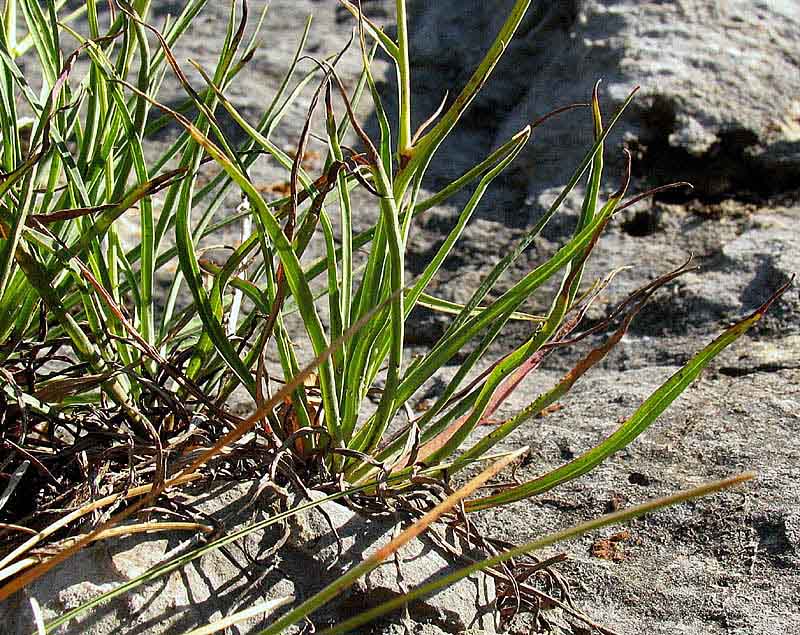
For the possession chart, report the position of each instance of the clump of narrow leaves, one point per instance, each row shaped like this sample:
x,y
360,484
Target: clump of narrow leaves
x,y
92,355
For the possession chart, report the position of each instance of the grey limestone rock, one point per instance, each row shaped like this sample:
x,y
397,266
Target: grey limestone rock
x,y
223,582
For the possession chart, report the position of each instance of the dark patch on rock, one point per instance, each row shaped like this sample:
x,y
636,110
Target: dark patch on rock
x,y
638,478
641,224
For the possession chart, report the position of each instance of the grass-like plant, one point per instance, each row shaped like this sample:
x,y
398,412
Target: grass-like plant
x,y
84,330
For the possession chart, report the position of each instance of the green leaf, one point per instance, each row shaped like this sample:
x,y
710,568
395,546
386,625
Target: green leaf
x,y
644,416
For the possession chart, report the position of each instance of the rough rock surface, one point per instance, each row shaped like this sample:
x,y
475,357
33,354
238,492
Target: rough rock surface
x,y
719,85
726,564
467,605
247,573
216,585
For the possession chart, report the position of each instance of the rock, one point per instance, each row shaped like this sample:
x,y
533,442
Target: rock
x,y
792,530
695,118
465,605
221,583
210,588
704,69
743,274
762,355
420,629
692,565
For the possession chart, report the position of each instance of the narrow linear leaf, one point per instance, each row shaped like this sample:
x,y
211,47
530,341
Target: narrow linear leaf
x,y
637,423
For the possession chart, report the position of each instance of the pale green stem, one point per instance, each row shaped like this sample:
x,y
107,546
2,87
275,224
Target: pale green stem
x,y
427,145
403,80
11,23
